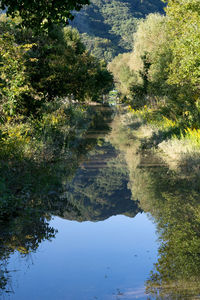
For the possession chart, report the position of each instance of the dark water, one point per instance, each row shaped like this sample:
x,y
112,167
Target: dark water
x,y
102,226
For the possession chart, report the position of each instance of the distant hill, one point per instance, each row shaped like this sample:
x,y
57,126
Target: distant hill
x,y
107,26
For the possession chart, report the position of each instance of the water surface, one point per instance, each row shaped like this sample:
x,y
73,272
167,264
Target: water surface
x,y
102,260
110,224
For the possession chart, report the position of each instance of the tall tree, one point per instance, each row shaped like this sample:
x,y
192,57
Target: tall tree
x,y
184,31
184,70
42,13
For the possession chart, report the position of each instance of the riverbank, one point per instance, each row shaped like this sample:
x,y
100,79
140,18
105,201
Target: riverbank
x,y
44,138
175,145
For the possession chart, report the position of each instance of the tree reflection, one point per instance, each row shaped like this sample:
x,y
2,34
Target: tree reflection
x,y
89,183
99,189
173,199
30,193
23,234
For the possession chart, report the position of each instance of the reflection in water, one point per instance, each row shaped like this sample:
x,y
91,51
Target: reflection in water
x,y
172,199
92,186
99,188
94,191
23,233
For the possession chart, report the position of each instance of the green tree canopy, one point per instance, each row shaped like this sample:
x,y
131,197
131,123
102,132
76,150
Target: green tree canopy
x,y
36,68
42,13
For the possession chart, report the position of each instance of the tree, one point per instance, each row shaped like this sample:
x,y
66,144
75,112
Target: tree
x,y
184,32
41,13
37,68
142,71
14,83
114,21
123,76
183,29
59,66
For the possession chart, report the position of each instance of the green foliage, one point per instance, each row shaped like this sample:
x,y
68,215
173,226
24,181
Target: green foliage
x,y
14,82
175,207
107,26
183,27
43,138
60,66
123,75
42,14
171,46
36,68
99,47
183,31
144,64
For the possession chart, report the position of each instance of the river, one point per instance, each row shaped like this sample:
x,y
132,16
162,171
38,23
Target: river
x,y
119,228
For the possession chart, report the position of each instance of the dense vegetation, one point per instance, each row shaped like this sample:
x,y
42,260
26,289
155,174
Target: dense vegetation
x,y
42,14
41,73
107,27
44,66
161,74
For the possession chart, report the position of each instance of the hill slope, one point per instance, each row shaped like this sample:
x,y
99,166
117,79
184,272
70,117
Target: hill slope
x,y
107,26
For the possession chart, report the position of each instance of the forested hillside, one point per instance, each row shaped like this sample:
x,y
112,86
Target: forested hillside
x,y
107,26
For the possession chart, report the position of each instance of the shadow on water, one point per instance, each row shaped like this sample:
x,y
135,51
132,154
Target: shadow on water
x,y
90,186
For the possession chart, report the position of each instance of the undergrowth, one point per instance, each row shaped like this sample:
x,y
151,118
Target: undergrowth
x,y
176,143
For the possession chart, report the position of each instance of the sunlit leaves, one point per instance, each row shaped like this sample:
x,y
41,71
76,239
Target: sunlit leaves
x,y
13,80
184,32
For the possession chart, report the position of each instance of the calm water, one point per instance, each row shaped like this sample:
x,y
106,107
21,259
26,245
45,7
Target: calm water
x,y
94,233
102,260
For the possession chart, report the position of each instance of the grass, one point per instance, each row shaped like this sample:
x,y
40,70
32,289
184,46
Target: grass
x,y
176,145
44,138
182,150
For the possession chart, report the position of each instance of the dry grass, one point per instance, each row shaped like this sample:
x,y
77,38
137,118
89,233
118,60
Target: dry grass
x,y
177,151
180,152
